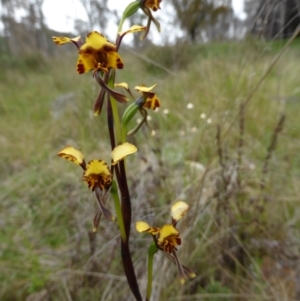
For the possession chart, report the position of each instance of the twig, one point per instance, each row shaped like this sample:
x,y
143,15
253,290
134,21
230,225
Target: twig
x,y
271,149
241,141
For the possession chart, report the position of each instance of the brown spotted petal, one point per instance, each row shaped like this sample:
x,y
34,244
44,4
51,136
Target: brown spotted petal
x,y
151,100
97,42
97,174
168,238
142,226
117,96
102,51
64,40
153,4
97,53
74,155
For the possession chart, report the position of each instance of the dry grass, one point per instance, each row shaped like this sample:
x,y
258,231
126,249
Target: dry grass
x,y
238,172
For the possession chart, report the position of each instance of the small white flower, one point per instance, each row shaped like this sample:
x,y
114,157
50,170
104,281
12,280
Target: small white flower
x,y
149,117
166,111
193,129
203,116
190,106
209,121
138,120
153,133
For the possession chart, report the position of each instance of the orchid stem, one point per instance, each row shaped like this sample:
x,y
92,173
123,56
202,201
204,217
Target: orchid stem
x,y
114,108
115,196
151,251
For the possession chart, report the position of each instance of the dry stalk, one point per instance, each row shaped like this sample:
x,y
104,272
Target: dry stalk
x,y
270,150
241,140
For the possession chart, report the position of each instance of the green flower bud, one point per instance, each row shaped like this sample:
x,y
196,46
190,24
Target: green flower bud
x,y
131,111
130,10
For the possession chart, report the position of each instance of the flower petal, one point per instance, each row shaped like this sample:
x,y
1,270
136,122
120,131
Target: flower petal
x,y
188,272
101,197
153,4
144,89
97,174
63,40
99,103
132,29
152,102
126,87
122,85
85,63
72,154
144,227
178,210
167,232
97,41
114,60
117,96
121,151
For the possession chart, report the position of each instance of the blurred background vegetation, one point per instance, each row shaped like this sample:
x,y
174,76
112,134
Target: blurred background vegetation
x,y
227,142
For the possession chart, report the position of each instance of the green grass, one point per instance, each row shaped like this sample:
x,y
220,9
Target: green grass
x,y
235,233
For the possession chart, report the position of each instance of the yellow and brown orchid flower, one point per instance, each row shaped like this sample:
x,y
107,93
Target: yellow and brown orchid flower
x,y
147,6
151,101
148,99
97,53
96,175
167,238
153,4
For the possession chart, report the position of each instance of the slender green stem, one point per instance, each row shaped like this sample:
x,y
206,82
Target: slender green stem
x,y
114,193
116,119
151,251
121,25
114,107
124,133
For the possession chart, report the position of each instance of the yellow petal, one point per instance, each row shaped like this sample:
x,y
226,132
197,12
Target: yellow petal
x,y
89,61
122,85
114,60
121,151
72,154
96,41
178,210
166,232
142,226
85,63
132,29
63,40
97,174
144,89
